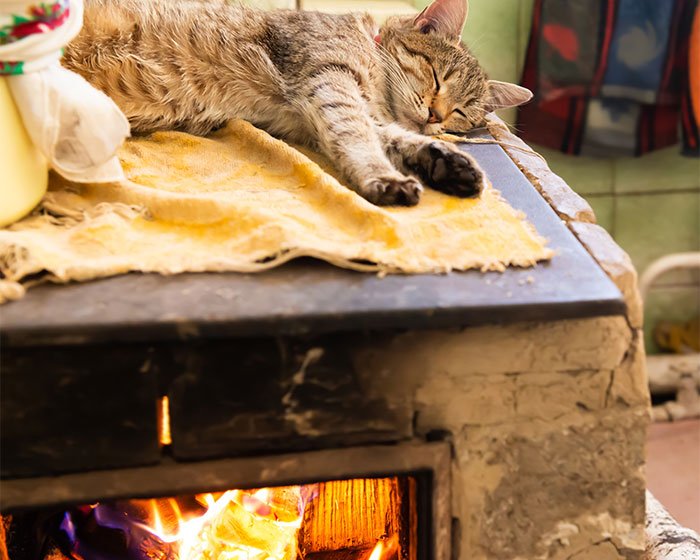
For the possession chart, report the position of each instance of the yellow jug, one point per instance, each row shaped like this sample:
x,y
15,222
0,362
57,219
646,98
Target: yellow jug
x,y
24,172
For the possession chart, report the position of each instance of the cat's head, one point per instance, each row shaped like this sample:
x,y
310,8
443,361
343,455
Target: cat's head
x,y
435,84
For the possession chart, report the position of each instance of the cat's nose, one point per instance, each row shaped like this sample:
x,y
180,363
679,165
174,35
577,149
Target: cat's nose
x,y
434,116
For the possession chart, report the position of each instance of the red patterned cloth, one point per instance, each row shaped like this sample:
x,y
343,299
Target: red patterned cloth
x,y
611,77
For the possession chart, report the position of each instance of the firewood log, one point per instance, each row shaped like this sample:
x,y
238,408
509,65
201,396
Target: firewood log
x,y
351,515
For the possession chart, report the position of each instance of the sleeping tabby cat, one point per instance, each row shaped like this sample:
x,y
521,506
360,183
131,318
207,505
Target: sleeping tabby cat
x,y
367,97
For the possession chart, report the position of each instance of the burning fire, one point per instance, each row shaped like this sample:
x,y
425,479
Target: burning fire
x,y
385,549
360,517
377,552
235,525
258,525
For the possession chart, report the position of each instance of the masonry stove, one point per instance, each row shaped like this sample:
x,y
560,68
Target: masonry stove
x,y
314,412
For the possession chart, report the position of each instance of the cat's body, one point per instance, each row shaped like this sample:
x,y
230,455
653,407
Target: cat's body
x,y
362,95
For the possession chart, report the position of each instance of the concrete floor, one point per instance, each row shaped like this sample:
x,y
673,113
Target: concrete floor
x,y
673,469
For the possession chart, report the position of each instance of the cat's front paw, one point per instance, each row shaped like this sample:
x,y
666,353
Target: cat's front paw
x,y
394,190
447,169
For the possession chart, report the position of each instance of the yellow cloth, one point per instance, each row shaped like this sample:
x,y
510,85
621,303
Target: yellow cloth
x,y
241,200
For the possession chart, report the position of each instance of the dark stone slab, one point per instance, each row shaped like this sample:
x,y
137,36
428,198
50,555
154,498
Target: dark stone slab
x,y
267,395
312,297
75,409
67,409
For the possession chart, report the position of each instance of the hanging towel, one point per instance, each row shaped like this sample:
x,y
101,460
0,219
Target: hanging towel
x,y
610,77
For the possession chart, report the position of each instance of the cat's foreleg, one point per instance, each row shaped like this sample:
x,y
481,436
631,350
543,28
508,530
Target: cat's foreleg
x,y
347,135
438,164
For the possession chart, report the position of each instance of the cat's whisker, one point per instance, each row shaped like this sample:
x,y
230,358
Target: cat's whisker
x,y
399,82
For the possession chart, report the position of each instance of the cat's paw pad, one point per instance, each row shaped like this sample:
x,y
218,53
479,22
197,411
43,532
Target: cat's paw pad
x,y
393,191
449,170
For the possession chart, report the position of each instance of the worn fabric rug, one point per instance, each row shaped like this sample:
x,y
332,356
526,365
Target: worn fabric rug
x,y
243,201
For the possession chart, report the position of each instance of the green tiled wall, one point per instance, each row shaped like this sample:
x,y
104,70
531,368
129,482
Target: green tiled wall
x,y
604,208
588,176
652,225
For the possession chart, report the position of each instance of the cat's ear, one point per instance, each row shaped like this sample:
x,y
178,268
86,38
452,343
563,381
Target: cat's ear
x,y
502,95
443,16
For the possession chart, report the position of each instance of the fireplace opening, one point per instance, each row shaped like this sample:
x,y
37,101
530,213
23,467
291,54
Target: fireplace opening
x,y
356,519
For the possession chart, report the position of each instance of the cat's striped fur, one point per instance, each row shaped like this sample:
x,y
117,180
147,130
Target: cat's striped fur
x,y
366,97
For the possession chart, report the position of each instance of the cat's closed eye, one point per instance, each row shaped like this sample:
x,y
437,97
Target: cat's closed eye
x,y
435,77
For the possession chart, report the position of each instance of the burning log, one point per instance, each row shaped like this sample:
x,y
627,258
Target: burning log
x,y
351,515
112,531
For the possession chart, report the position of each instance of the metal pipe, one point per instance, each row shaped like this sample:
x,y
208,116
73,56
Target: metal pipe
x,y
664,265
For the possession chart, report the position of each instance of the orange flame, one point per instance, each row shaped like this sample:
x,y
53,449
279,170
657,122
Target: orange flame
x,y
385,549
377,552
237,525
